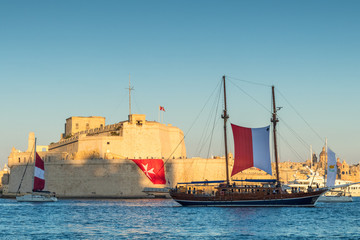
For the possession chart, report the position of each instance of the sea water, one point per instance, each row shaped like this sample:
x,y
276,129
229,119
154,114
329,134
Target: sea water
x,y
164,218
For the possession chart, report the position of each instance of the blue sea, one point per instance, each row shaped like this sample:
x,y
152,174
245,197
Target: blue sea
x,y
165,219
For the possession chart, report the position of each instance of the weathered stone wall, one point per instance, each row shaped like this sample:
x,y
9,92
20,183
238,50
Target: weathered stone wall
x,y
120,178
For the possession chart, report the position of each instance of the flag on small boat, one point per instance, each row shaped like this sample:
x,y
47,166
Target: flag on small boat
x,y
153,169
331,169
39,179
251,149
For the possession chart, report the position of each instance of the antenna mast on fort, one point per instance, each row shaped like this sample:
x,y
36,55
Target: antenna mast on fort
x,y
130,88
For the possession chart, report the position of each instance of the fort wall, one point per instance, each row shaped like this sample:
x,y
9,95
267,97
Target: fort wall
x,y
113,178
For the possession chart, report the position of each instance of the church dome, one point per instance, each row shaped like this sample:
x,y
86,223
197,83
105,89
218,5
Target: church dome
x,y
323,152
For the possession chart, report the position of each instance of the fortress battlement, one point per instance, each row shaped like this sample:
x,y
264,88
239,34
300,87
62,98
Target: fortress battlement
x,y
90,138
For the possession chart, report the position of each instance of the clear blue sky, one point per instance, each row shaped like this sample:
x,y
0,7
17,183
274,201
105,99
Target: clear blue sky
x,y
73,58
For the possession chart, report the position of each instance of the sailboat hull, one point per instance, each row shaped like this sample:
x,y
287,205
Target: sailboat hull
x,y
236,200
36,198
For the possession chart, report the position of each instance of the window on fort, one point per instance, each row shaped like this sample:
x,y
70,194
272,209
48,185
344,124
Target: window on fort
x,y
19,159
101,126
138,122
108,143
87,126
77,126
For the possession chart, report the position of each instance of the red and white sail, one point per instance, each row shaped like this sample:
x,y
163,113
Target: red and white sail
x,y
251,149
39,179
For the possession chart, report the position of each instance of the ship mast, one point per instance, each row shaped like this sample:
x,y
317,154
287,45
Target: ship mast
x,y
225,116
274,120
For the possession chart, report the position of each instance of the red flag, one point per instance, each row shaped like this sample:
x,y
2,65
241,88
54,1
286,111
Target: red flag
x,y
153,169
39,179
162,108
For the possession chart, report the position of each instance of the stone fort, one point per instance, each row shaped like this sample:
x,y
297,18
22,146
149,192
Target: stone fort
x,y
93,159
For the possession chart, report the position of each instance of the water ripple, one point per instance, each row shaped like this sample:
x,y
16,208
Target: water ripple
x,y
161,218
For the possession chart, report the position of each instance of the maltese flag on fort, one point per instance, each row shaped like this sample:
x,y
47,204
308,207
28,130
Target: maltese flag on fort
x,y
153,169
39,179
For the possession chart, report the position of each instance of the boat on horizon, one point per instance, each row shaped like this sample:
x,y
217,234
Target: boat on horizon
x,y
252,149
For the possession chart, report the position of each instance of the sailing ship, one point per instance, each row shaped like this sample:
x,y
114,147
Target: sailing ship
x,y
37,194
264,193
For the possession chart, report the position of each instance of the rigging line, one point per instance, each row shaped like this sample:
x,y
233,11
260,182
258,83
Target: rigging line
x,y
262,105
318,135
192,125
212,131
212,134
22,178
302,141
204,137
254,83
292,149
215,111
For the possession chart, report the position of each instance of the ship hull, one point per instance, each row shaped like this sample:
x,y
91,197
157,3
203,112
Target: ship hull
x,y
282,200
293,202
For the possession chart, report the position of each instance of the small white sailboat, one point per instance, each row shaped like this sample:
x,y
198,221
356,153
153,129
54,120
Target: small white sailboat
x,y
37,194
334,195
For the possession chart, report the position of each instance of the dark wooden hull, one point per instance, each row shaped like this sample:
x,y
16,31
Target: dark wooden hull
x,y
302,199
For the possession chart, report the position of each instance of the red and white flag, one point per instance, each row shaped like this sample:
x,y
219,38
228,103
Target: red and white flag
x,y
153,169
39,179
251,149
162,108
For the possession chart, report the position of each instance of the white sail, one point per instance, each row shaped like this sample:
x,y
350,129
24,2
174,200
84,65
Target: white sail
x,y
331,169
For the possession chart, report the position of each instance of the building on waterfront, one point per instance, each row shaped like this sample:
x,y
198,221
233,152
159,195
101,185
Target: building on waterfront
x,y
93,159
4,179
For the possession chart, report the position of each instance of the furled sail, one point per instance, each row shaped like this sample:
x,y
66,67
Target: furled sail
x,y
251,148
39,179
